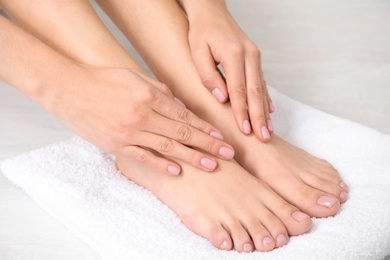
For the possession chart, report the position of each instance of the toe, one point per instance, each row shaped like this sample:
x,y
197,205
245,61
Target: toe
x,y
219,237
261,237
241,239
331,187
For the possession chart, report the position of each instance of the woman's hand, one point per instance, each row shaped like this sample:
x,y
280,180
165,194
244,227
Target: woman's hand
x,y
129,114
215,38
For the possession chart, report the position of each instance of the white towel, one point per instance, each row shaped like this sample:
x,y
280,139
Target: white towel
x,y
77,184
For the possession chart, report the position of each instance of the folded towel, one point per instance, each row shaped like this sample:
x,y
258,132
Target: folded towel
x,y
78,184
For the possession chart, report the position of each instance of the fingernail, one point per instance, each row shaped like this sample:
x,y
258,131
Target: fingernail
x,y
267,241
343,185
343,195
327,201
265,133
270,125
226,152
208,163
178,101
247,127
299,216
217,93
281,238
173,170
271,107
247,247
223,245
216,135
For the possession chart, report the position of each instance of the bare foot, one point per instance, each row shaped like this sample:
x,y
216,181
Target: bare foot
x,y
229,207
311,184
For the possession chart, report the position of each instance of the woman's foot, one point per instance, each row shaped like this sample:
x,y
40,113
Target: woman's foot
x,y
229,207
311,184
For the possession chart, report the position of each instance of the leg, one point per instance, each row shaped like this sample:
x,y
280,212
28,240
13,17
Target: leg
x,y
229,207
307,182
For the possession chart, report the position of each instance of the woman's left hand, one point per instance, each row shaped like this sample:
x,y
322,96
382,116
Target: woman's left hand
x,y
215,38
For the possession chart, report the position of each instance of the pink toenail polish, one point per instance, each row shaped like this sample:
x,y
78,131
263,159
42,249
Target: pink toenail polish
x,y
218,94
265,133
267,241
281,238
270,125
208,163
327,201
247,247
173,170
224,245
178,101
216,135
343,195
299,216
226,152
343,185
247,127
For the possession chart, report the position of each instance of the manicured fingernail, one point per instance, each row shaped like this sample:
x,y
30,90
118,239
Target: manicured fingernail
x,y
226,152
343,195
247,247
173,170
271,107
224,244
299,216
217,93
281,238
270,125
247,127
265,133
343,185
208,163
327,201
178,101
267,241
216,135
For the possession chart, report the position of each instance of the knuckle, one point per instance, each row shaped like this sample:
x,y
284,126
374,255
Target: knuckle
x,y
256,91
239,90
207,79
212,146
164,88
254,51
166,146
236,49
185,116
142,157
148,96
184,133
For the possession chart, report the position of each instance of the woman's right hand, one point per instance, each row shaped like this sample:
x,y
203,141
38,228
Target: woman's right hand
x,y
128,114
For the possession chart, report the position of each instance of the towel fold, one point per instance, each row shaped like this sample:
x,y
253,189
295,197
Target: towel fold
x,y
78,185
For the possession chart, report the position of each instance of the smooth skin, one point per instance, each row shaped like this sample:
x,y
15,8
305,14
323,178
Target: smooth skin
x,y
119,110
235,199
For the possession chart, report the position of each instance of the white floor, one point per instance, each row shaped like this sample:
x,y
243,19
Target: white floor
x,y
333,55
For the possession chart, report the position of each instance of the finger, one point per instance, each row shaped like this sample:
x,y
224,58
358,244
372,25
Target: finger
x,y
234,68
190,136
209,73
169,109
268,116
271,107
148,158
171,148
256,97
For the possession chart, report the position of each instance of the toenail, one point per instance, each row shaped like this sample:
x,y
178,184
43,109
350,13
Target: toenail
x,y
281,238
299,216
327,201
247,247
267,241
343,185
226,152
224,244
265,133
208,163
343,195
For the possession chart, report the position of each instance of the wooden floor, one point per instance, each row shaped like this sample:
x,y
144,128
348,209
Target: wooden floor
x,y
333,55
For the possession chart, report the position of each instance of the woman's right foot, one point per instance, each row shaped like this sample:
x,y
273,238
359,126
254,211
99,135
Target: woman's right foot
x,y
229,207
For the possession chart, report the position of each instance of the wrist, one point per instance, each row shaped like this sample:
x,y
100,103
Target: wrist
x,y
200,8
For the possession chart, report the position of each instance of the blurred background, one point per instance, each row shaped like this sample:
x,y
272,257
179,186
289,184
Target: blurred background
x,y
332,55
